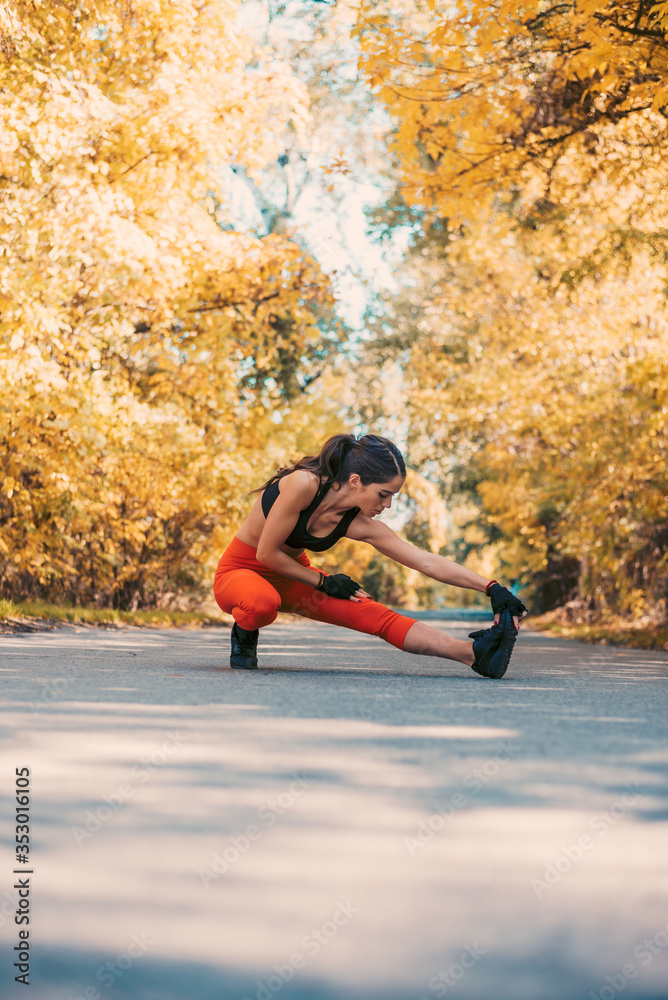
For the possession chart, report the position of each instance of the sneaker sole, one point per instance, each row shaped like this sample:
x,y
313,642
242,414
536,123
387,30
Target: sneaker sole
x,y
243,666
495,637
505,649
497,663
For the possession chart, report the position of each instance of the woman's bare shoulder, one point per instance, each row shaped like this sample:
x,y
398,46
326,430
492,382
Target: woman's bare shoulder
x,y
299,485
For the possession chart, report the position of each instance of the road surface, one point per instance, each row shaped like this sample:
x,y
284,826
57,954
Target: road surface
x,y
347,823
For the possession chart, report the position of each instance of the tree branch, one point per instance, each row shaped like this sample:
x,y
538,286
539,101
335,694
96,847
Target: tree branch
x,y
261,203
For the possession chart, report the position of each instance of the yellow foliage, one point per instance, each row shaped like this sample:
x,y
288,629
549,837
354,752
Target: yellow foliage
x,y
489,96
148,352
548,402
532,328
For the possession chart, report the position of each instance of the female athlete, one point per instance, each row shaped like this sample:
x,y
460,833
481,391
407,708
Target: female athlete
x,y
310,505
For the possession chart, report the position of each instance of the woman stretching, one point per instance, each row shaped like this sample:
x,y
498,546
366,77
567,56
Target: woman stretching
x,y
312,504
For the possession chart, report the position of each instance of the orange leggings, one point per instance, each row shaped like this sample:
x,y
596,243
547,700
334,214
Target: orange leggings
x,y
254,595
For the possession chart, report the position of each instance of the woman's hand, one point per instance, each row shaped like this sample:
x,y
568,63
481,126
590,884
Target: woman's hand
x,y
341,586
502,598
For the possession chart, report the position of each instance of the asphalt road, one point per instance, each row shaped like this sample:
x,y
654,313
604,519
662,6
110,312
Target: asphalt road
x,y
347,823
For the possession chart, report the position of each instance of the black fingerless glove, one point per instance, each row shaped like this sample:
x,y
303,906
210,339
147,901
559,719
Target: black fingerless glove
x,y
338,585
502,598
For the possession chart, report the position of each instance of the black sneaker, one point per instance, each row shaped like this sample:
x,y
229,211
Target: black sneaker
x,y
492,647
510,634
243,654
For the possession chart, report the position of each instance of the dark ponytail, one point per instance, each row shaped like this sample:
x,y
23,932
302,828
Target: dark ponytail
x,y
373,458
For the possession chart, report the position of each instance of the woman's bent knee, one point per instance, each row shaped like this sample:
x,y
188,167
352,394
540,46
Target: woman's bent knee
x,y
251,600
252,618
248,612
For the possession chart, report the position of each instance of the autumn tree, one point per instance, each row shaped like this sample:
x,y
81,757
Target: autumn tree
x,y
148,349
492,96
531,329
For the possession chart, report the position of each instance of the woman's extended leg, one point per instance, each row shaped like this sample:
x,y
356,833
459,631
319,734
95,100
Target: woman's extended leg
x,y
366,616
427,641
254,601
373,618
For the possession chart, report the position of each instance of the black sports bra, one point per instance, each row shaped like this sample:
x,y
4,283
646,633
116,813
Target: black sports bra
x,y
299,537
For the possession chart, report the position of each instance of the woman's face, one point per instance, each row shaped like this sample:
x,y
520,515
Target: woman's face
x,y
376,497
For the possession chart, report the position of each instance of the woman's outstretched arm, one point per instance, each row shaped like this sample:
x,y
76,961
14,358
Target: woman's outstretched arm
x,y
385,541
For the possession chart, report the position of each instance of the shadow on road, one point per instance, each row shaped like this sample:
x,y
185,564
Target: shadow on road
x,y
229,816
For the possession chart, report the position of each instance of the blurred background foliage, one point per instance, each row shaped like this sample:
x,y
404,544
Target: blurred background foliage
x,y
161,355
